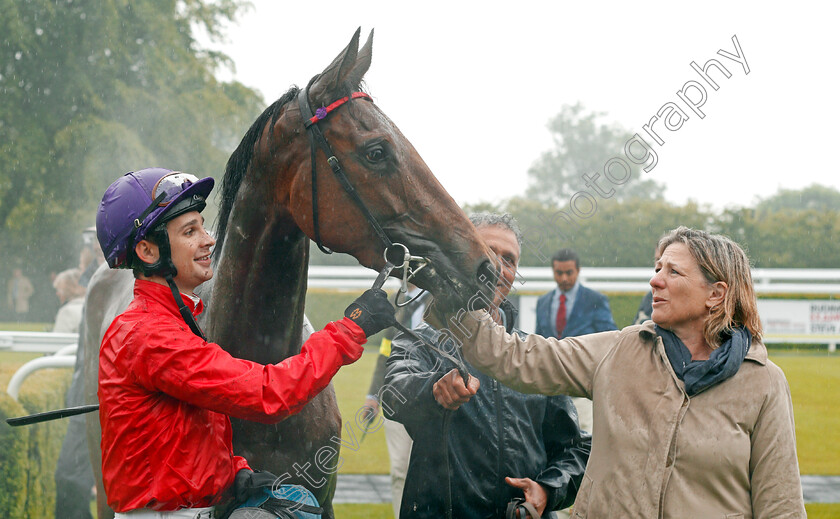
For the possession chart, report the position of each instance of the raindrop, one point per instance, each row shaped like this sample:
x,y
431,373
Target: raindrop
x,y
47,91
83,16
39,31
108,52
18,55
139,41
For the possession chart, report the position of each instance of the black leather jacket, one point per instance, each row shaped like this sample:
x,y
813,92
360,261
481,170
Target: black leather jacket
x,y
498,433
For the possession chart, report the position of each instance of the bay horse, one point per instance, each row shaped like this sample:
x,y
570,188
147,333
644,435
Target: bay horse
x,y
266,219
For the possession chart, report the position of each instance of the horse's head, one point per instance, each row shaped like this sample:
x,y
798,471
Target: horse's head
x,y
392,182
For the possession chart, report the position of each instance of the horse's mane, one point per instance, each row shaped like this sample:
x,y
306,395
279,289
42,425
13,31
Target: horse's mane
x,y
239,161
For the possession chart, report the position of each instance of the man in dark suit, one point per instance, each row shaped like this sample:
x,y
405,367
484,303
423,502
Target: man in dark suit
x,y
571,310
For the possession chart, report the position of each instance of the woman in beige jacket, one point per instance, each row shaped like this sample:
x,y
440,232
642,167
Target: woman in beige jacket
x,y
691,419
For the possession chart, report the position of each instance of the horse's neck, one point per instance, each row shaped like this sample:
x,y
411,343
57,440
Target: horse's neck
x,y
260,287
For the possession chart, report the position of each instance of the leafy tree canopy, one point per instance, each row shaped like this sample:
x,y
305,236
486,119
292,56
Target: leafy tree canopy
x,y
619,235
583,145
624,234
815,196
91,90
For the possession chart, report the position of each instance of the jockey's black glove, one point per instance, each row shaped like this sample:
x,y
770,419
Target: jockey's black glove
x,y
247,483
371,311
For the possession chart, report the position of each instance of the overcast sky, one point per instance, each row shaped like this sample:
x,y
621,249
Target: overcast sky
x,y
472,86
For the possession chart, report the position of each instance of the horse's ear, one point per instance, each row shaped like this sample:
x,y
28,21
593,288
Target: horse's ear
x,y
362,62
325,87
347,68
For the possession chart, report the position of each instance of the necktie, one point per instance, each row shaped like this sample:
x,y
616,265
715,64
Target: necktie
x,y
561,316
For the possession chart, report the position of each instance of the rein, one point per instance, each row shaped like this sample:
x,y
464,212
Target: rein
x,y
380,280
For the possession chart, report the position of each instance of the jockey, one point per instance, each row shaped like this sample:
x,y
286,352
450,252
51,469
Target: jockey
x,y
165,392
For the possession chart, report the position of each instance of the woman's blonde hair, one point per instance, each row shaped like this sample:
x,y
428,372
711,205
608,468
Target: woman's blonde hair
x,y
721,259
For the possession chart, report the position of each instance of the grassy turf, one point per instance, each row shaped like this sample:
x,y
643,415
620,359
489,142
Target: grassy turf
x,y
814,385
380,511
351,385
814,511
10,362
25,327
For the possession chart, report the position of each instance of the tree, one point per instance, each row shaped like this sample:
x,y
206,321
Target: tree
x,y
785,238
622,234
91,90
815,196
584,146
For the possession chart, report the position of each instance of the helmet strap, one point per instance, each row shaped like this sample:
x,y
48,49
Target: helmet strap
x,y
165,267
182,307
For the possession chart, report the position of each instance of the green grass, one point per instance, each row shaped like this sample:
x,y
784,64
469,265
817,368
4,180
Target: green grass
x,y
351,385
10,361
25,327
380,511
814,510
624,307
814,385
323,306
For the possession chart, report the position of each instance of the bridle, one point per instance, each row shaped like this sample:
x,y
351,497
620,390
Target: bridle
x,y
393,257
317,140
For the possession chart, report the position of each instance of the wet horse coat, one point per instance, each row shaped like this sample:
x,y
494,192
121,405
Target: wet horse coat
x,y
256,308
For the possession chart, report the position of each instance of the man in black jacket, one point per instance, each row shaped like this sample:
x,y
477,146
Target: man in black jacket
x,y
480,445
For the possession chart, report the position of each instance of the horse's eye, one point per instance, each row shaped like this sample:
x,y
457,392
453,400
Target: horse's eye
x,y
375,154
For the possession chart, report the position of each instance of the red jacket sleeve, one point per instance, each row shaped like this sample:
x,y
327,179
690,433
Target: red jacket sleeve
x,y
201,373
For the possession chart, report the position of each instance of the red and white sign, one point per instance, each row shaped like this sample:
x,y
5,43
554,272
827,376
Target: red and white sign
x,y
800,317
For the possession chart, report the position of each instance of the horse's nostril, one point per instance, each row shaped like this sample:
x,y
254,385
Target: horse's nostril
x,y
487,274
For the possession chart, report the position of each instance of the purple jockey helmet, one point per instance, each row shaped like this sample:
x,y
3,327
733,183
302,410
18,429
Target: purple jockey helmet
x,y
139,201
